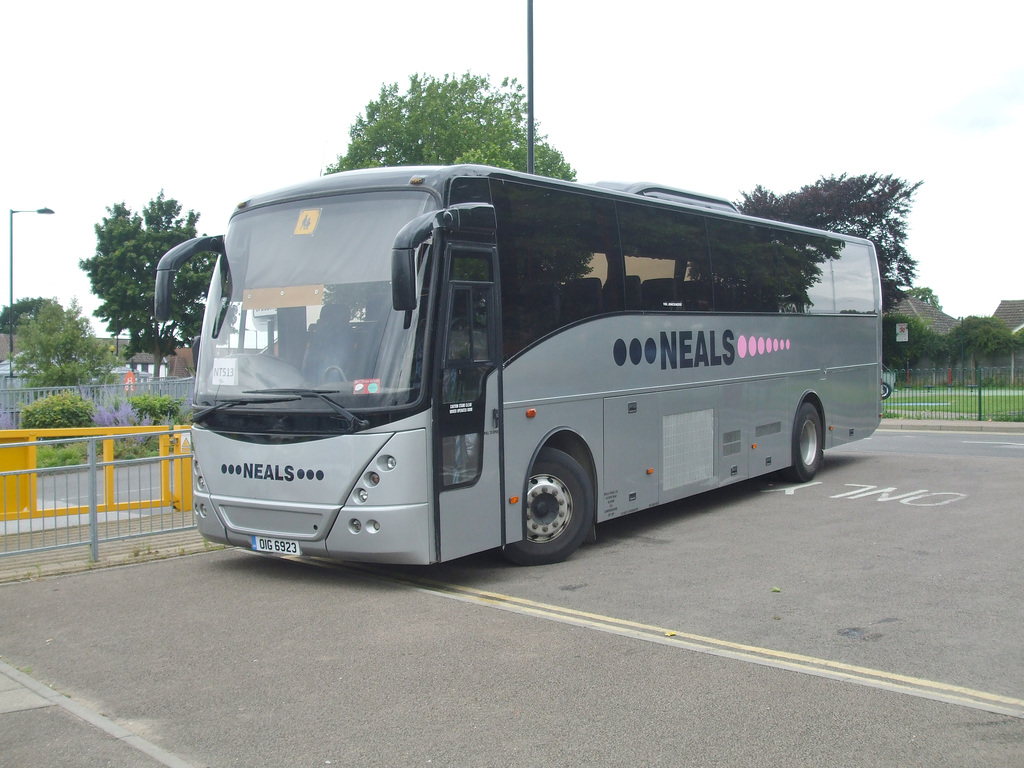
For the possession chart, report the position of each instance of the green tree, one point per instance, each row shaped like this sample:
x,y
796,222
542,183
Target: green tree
x,y
57,349
872,206
927,295
123,274
24,309
448,121
980,338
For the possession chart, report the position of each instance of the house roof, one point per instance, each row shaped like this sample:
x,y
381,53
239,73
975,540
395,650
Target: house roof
x,y
936,319
1011,312
179,363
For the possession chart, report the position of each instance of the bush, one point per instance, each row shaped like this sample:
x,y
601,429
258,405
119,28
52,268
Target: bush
x,y
69,455
120,414
160,409
62,411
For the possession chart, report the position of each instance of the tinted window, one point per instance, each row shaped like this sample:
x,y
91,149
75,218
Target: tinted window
x,y
805,271
743,263
559,260
666,259
851,273
471,189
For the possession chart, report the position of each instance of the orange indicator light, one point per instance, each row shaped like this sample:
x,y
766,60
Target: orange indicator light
x,y
513,499
531,412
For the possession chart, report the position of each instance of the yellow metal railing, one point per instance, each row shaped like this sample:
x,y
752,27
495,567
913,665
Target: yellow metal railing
x,y
19,471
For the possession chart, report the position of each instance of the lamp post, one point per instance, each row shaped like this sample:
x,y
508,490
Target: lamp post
x,y
10,307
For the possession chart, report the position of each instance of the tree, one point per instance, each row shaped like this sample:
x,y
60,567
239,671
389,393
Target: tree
x,y
923,342
442,122
57,349
870,206
980,338
927,295
24,309
123,274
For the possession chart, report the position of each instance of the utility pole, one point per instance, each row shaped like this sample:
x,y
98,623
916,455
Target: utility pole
x,y
529,86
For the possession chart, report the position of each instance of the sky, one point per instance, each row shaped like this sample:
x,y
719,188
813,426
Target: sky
x,y
211,102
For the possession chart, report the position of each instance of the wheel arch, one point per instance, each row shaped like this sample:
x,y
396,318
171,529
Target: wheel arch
x,y
569,442
810,396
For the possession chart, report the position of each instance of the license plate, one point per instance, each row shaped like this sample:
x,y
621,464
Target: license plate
x,y
275,546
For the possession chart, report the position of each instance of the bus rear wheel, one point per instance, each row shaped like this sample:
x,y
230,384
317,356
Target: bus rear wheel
x,y
807,445
559,509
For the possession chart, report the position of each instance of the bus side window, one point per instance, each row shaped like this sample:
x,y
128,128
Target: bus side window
x,y
853,294
666,259
805,272
743,263
559,260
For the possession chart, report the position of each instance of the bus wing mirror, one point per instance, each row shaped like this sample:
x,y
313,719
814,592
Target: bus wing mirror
x,y
464,217
403,279
403,260
171,262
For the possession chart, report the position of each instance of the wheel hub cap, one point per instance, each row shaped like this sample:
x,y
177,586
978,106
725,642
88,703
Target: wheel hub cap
x,y
548,508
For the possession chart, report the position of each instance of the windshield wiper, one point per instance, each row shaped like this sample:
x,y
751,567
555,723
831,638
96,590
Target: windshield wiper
x,y
356,422
200,416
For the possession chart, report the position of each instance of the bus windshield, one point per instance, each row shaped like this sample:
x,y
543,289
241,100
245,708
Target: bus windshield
x,y
302,301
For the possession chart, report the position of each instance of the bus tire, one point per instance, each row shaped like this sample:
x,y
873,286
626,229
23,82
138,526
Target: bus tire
x,y
559,509
807,445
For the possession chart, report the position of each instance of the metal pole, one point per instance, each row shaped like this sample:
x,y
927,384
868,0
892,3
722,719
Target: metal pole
x,y
10,306
963,364
94,529
529,86
978,374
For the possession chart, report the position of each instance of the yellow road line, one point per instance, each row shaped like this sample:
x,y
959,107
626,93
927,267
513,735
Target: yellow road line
x,y
782,659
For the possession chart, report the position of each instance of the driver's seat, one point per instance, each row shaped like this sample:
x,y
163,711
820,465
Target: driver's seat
x,y
330,346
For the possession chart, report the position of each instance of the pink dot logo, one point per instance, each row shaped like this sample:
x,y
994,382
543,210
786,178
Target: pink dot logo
x,y
760,345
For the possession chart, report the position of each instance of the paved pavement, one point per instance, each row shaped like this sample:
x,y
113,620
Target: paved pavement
x,y
68,733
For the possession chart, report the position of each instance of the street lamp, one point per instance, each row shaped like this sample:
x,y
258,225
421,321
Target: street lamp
x,y
10,307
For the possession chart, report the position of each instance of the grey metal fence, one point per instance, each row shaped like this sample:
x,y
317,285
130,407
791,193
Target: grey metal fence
x,y
80,491
974,394
12,400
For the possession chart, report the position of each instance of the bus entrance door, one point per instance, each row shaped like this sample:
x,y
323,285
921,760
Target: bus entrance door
x,y
468,469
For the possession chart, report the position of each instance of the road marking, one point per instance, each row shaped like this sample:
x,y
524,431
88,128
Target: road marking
x,y
792,489
795,662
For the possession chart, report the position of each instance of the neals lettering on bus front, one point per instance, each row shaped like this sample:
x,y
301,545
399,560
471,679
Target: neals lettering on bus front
x,y
262,471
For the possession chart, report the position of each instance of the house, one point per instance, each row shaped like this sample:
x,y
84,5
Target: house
x,y
1011,312
180,364
936,320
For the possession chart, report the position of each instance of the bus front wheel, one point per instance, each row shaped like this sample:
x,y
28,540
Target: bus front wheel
x,y
559,509
807,445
